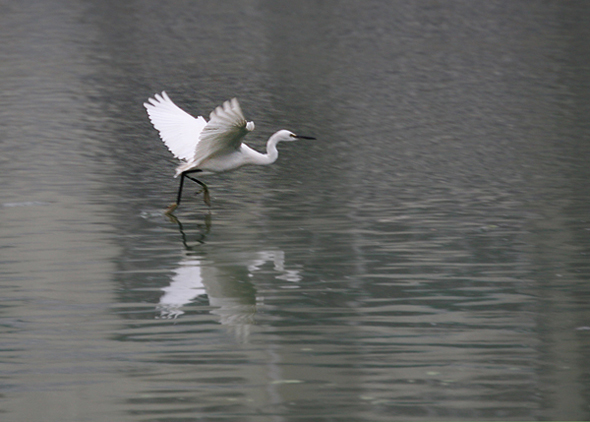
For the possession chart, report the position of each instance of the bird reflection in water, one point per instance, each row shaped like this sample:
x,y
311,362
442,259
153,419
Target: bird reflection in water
x,y
227,280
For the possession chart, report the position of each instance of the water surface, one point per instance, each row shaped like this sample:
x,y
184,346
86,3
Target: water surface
x,y
425,259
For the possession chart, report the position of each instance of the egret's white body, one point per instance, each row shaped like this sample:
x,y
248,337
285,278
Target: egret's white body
x,y
209,147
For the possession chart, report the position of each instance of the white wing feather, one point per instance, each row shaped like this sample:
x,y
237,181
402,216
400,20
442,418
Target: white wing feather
x,y
179,130
224,132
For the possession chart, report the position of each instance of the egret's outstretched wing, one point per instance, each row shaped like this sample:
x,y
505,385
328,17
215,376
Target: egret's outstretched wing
x,y
179,130
224,132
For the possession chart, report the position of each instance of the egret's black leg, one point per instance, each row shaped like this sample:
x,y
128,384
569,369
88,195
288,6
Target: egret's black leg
x,y
173,206
179,194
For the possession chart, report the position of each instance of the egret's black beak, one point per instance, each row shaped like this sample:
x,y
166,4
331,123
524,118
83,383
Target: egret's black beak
x,y
304,137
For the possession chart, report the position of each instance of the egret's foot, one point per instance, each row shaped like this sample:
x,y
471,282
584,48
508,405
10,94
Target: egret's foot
x,y
171,208
206,197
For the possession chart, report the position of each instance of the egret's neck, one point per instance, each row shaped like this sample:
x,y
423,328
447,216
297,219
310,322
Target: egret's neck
x,y
254,157
271,150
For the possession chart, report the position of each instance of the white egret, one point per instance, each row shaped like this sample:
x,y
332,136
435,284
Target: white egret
x,y
209,147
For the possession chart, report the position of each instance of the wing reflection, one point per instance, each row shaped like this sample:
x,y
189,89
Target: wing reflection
x,y
186,285
226,278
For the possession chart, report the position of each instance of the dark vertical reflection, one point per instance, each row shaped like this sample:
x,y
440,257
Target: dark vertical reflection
x,y
563,276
